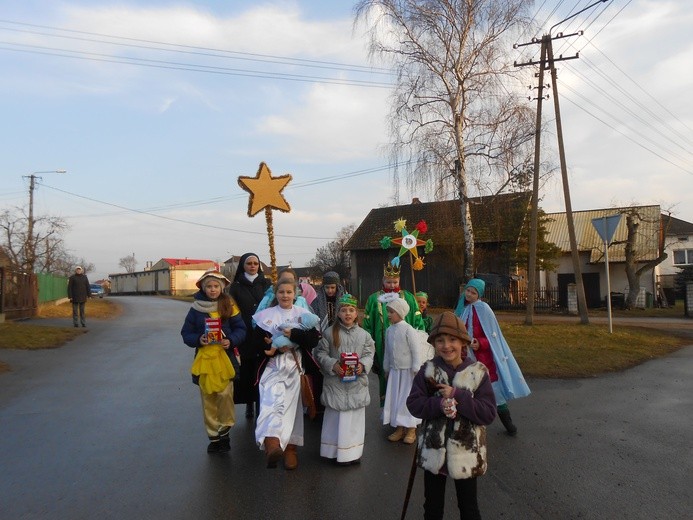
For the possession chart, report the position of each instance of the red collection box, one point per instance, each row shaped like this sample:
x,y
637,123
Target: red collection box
x,y
213,330
350,363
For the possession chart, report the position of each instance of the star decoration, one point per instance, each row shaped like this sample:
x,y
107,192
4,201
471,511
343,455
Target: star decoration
x,y
265,190
409,242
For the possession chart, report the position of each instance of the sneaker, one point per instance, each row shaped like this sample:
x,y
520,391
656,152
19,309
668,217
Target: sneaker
x,y
214,446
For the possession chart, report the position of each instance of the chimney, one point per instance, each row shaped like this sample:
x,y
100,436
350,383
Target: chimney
x,y
415,200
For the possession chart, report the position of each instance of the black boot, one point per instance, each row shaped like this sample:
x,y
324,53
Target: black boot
x,y
504,416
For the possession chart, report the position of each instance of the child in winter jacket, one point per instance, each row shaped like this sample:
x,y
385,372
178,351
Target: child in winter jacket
x,y
454,397
345,398
213,370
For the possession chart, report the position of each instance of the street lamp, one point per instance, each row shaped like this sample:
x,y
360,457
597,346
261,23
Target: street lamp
x,y
29,245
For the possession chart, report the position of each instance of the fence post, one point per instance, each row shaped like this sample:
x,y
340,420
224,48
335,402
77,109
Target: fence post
x,y
572,299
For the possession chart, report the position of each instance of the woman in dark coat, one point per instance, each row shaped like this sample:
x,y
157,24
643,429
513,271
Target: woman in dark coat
x,y
248,288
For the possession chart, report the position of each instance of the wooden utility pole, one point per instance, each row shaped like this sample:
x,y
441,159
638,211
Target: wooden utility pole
x,y
582,301
531,271
547,60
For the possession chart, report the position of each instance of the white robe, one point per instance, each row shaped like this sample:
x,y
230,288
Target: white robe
x,y
281,410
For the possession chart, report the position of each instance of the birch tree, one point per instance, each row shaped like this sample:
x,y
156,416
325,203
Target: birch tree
x,y
455,123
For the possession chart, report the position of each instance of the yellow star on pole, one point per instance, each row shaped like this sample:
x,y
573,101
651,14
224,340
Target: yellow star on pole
x,y
265,190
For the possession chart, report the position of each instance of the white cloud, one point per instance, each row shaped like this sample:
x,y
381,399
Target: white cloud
x,y
331,123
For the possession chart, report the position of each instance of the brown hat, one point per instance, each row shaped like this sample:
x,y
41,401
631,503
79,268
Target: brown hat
x,y
448,323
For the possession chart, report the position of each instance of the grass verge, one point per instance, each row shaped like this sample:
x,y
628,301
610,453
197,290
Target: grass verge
x,y
572,350
99,308
29,336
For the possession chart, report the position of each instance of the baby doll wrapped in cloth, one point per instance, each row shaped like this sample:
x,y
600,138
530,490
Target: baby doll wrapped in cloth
x,y
305,321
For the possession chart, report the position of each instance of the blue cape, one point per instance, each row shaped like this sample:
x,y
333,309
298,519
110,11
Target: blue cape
x,y
512,382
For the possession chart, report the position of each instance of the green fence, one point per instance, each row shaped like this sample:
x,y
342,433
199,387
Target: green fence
x,y
51,287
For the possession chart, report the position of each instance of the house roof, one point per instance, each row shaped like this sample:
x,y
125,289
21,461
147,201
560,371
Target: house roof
x,y
676,226
646,241
496,218
186,261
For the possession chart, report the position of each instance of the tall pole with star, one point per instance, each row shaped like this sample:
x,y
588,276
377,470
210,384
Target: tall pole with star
x,y
266,193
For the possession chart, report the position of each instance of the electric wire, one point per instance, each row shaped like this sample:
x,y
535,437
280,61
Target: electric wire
x,y
589,102
162,64
174,46
149,212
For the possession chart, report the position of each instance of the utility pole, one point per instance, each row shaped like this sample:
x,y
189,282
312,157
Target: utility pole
x,y
548,60
30,245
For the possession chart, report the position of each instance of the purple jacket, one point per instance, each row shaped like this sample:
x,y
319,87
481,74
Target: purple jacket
x,y
478,407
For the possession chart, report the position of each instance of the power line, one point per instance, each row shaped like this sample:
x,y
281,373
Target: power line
x,y
174,46
305,184
162,64
619,131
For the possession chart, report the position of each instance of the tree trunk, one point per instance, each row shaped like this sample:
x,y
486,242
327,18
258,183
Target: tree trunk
x,y
467,228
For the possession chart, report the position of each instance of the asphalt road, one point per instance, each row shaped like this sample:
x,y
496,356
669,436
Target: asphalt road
x,y
109,426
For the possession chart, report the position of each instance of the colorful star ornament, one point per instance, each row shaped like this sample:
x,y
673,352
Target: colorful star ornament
x,y
408,243
265,190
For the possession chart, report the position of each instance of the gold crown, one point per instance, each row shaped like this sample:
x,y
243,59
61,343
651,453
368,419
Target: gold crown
x,y
391,271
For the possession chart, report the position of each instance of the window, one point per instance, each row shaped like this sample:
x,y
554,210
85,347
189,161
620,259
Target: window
x,y
683,257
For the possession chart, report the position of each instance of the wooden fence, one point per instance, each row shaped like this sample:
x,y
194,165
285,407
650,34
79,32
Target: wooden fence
x,y
18,294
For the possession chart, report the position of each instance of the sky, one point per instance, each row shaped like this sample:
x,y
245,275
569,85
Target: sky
x,y
155,108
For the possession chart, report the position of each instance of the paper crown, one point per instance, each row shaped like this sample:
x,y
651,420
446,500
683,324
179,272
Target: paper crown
x,y
348,299
391,271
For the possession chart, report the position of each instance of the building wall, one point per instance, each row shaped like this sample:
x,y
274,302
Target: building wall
x,y
617,275
141,282
674,243
183,279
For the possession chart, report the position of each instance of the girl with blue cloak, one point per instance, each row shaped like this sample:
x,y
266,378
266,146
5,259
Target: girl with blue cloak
x,y
490,348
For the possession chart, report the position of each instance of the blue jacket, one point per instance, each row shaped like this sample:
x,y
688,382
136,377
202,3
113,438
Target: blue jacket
x,y
194,326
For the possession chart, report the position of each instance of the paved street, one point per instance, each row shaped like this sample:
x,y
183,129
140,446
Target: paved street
x,y
109,426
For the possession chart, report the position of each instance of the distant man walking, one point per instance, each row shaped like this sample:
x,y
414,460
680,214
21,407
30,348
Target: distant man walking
x,y
78,291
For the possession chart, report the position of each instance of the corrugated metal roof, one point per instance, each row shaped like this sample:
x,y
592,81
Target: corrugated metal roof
x,y
646,241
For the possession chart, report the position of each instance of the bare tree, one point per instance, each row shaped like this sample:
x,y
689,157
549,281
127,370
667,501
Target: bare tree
x,y
333,256
129,263
31,251
633,257
454,120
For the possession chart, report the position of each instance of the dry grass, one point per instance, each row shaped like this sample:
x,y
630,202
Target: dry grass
x,y
100,308
25,336
567,350
29,336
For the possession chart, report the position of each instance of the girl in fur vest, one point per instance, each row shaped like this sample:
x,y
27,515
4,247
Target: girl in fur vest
x,y
454,397
344,422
